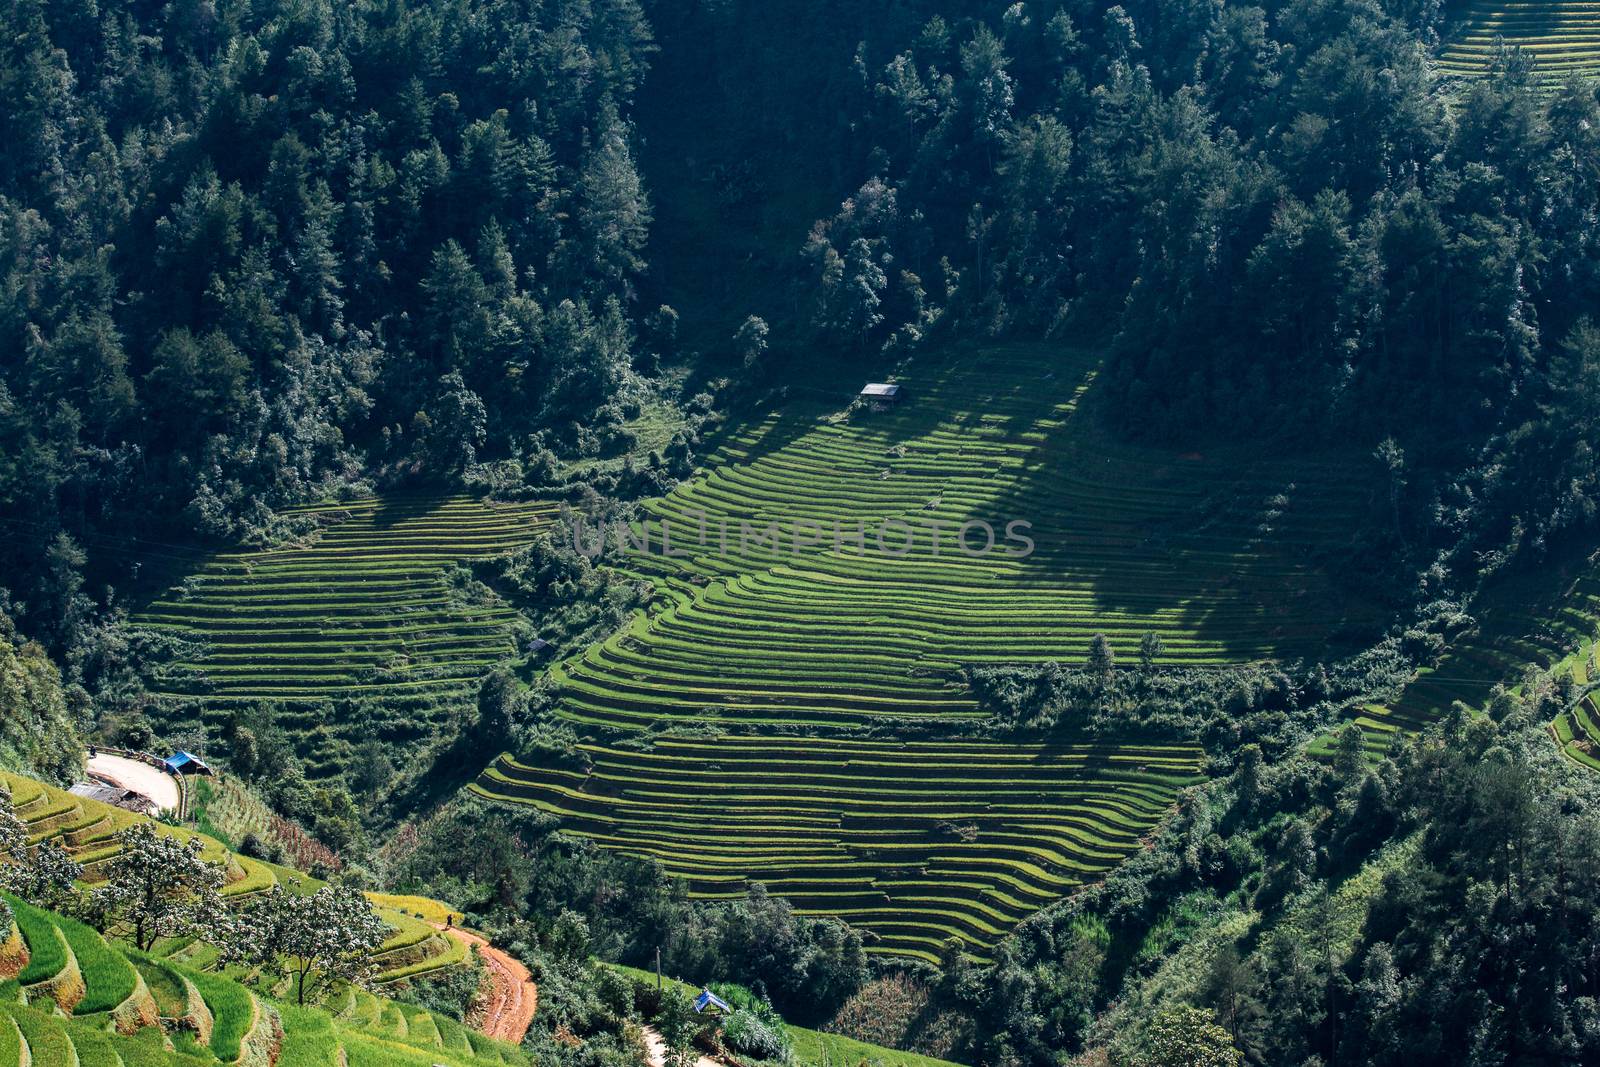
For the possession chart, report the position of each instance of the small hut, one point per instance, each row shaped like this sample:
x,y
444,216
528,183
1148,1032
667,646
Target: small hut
x,y
709,1001
881,395
181,762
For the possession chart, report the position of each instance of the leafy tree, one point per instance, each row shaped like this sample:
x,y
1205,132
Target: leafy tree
x,y
1151,648
156,886
1185,1036
987,89
41,873
861,288
614,210
677,1022
453,426
750,341
1101,660
327,936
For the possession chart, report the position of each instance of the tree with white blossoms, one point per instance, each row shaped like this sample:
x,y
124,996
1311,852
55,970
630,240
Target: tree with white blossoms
x,y
331,934
157,886
42,873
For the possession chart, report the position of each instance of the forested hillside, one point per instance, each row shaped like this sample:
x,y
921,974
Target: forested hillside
x,y
327,329
257,252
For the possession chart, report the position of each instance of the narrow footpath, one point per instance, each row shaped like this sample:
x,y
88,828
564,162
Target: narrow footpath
x,y
657,1049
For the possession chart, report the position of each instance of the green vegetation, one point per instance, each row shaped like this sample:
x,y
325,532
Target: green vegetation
x,y
312,1035
1215,554
36,733
47,1040
166,986
109,977
233,1011
46,944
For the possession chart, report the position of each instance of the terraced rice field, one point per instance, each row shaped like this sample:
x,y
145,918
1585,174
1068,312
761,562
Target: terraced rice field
x,y
1561,37
360,610
912,842
1578,731
86,829
919,842
1217,554
84,1002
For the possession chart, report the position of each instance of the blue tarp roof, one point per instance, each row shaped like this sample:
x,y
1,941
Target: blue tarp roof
x,y
707,999
178,759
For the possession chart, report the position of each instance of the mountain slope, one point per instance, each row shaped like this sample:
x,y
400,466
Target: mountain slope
x,y
756,639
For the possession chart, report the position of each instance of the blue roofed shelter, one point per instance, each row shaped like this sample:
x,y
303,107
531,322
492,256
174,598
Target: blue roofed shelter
x,y
181,762
708,999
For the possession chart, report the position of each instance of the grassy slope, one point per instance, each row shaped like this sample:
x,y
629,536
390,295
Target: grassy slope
x,y
1216,553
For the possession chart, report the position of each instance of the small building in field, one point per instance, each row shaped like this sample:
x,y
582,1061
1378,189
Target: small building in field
x,y
184,763
884,393
709,1001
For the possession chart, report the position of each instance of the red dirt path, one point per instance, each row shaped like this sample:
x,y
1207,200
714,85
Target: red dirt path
x,y
513,997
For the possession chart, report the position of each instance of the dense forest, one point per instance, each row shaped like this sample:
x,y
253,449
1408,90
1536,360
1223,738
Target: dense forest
x,y
258,253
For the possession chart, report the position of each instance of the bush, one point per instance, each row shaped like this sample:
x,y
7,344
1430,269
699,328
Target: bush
x,y
747,1035
754,1028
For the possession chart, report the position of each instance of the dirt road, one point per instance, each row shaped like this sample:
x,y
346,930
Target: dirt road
x,y
513,998
658,1051
142,778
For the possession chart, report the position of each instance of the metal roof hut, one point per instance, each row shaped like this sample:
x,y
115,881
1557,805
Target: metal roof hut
x,y
185,763
880,394
708,1000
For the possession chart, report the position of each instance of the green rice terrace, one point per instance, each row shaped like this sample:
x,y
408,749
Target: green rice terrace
x,y
70,997
913,842
917,842
86,829
1217,554
360,608
1561,37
